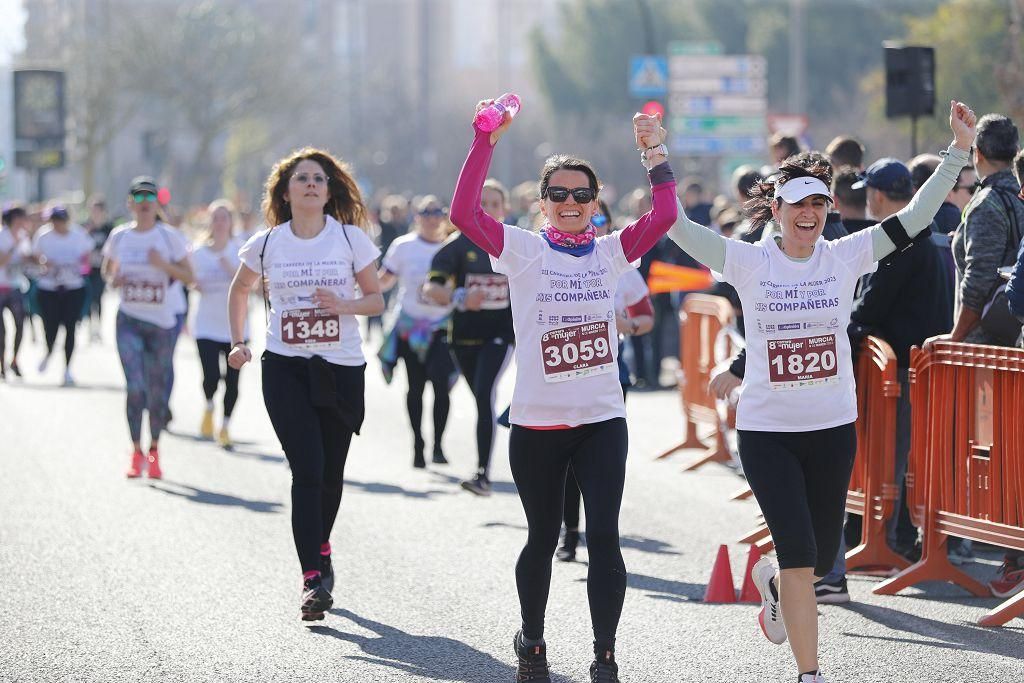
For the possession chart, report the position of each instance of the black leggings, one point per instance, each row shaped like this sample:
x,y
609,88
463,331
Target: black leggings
x,y
209,356
62,307
315,441
437,369
482,365
14,301
571,507
540,459
96,287
800,481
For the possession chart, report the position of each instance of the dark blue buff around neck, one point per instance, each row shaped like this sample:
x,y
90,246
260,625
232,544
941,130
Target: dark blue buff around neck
x,y
582,250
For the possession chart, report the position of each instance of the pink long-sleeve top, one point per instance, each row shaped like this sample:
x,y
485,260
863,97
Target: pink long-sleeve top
x,y
637,238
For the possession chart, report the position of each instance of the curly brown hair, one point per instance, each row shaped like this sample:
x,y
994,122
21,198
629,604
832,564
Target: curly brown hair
x,y
762,195
344,200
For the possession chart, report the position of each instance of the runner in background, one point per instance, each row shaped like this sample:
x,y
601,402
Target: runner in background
x,y
215,262
99,226
418,333
310,263
480,332
141,259
13,252
61,249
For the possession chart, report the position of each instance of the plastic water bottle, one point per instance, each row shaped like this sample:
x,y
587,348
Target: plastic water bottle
x,y
489,118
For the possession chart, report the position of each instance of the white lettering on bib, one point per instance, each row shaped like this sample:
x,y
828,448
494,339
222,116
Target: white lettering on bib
x,y
802,363
576,351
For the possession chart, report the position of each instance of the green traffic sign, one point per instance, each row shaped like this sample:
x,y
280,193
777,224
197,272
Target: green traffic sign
x,y
718,125
694,47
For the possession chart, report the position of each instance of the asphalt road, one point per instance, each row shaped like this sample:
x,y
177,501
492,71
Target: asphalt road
x,y
194,578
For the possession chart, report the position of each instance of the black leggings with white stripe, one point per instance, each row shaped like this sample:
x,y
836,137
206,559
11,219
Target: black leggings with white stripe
x,y
482,365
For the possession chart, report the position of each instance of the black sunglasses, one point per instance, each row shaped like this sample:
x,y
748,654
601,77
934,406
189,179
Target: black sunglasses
x,y
970,188
433,212
583,195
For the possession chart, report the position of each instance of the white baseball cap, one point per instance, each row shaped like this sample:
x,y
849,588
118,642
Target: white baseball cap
x,y
795,189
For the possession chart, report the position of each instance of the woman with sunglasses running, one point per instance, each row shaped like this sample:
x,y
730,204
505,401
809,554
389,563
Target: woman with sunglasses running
x,y
797,403
480,332
142,259
418,333
310,264
567,406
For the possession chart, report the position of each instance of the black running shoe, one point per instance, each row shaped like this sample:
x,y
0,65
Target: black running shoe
x,y
567,551
479,484
439,458
15,369
533,661
417,455
604,672
315,600
327,573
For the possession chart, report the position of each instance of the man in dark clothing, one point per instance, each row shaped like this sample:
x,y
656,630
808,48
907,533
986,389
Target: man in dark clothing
x,y
908,299
851,204
948,217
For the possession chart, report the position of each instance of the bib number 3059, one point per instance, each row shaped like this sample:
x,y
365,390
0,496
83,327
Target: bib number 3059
x,y
576,351
310,327
801,363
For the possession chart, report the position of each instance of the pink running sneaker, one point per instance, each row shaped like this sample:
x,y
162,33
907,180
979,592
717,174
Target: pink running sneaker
x,y
134,470
1009,580
154,464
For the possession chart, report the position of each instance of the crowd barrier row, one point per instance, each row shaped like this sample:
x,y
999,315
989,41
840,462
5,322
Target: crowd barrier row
x,y
965,474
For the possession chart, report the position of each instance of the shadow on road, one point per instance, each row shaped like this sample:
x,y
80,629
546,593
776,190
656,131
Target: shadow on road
x,y
504,487
433,657
393,490
647,545
255,455
666,589
194,495
955,636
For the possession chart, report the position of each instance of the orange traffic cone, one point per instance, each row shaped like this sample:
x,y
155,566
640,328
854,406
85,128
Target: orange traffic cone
x,y
749,592
720,586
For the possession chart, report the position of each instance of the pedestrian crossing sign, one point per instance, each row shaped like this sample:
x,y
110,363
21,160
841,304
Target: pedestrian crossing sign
x,y
648,76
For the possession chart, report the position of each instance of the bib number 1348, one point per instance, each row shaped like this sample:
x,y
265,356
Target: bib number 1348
x,y
310,326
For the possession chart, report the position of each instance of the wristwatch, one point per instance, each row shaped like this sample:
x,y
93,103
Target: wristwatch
x,y
645,155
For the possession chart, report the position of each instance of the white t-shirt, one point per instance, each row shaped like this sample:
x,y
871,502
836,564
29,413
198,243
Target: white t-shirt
x,y
295,268
65,257
10,273
145,289
214,281
631,290
563,312
409,258
799,373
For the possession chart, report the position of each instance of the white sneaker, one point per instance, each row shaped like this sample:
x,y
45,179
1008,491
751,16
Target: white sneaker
x,y
770,617
69,381
813,678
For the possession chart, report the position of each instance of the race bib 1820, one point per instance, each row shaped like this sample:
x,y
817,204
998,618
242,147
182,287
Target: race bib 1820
x,y
802,363
311,328
577,351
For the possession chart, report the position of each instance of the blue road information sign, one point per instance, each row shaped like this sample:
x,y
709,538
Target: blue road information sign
x,y
648,76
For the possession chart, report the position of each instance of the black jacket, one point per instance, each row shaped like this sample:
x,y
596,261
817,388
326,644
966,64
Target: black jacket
x,y
908,299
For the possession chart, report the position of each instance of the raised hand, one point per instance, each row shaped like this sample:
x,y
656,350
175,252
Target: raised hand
x,y
963,122
648,131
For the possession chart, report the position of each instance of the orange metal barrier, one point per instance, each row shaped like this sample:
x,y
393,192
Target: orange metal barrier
x,y
700,323
968,459
873,492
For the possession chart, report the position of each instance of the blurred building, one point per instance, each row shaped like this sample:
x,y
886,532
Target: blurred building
x,y
395,78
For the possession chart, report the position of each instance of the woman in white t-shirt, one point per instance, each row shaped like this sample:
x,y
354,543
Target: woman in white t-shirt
x,y
311,263
567,405
215,263
797,403
62,250
142,259
418,335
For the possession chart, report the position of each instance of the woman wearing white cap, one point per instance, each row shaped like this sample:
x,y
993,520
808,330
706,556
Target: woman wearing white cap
x,y
797,406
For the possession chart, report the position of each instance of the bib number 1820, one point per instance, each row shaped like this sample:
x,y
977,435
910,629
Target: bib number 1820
x,y
808,361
